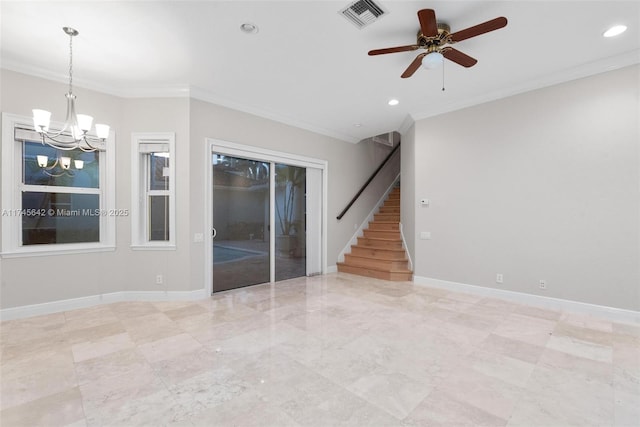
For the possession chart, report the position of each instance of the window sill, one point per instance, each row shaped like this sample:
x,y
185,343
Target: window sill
x,y
24,253
154,247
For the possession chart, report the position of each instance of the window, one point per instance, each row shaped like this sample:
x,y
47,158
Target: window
x,y
47,208
153,191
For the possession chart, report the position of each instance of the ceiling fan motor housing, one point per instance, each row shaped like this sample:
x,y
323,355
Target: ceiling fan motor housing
x,y
441,39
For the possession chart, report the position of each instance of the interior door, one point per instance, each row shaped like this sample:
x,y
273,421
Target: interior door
x,y
241,217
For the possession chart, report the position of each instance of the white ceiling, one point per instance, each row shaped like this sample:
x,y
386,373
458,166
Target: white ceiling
x,y
308,66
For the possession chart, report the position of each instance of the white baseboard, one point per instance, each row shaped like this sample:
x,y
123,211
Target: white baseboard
x,y
332,269
90,301
610,313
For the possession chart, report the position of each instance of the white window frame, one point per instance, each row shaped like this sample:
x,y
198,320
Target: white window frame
x,y
139,191
12,187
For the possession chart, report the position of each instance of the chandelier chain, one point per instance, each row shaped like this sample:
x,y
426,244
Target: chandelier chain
x,y
70,63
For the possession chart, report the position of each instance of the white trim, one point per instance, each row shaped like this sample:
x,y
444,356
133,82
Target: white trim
x,y
364,224
272,222
184,91
332,269
611,313
12,185
406,124
404,245
575,73
265,155
68,249
207,96
154,246
93,300
139,204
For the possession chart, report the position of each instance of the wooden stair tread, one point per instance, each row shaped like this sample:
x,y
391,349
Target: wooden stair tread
x,y
380,252
376,258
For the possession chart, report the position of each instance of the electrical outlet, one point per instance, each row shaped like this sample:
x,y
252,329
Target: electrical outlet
x,y
499,278
159,279
543,284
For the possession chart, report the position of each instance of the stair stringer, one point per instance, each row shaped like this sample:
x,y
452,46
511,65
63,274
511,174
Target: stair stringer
x,y
365,223
404,245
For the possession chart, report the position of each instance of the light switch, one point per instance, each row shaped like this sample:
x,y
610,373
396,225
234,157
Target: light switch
x,y
424,202
425,235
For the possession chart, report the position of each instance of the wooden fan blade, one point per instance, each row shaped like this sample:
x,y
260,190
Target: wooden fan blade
x,y
428,24
393,49
476,30
413,67
458,57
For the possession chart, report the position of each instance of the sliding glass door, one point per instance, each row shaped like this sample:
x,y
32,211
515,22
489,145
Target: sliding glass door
x,y
241,247
291,221
266,219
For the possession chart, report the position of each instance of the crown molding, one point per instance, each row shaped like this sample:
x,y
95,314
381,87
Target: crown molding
x,y
207,96
589,69
177,91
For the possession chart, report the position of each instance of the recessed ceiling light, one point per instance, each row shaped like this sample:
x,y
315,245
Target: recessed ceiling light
x,y
616,30
249,28
393,102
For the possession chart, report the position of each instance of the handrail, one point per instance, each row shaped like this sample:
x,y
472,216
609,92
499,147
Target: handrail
x,y
373,175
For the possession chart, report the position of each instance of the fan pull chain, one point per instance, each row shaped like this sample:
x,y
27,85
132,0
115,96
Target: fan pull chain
x,y
443,75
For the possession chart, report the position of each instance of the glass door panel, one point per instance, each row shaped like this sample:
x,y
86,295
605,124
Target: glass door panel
x,y
240,222
290,221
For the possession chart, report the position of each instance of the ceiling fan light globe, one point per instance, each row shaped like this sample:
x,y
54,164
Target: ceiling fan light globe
x,y
432,60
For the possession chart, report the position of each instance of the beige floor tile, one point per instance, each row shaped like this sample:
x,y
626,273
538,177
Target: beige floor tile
x,y
488,393
556,397
442,409
168,348
60,409
321,351
100,347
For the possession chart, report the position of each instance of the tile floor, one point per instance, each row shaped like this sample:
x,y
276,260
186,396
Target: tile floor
x,y
322,351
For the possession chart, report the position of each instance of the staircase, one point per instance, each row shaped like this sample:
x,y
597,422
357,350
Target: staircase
x,y
379,252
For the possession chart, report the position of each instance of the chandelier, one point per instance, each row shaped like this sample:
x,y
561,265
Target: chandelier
x,y
75,132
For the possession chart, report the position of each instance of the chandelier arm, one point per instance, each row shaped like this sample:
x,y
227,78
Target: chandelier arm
x,y
58,144
91,147
58,175
48,168
71,136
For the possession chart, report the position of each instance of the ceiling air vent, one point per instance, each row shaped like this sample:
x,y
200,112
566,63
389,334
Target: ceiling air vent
x,y
363,12
390,139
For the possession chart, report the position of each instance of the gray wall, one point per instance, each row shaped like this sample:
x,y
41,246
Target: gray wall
x,y
349,166
542,185
41,279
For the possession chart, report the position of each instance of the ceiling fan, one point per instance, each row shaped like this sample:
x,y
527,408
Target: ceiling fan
x,y
433,37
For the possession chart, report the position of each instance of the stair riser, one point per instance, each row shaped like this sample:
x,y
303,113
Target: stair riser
x,y
389,209
383,226
398,277
382,234
366,242
386,217
392,202
397,254
377,263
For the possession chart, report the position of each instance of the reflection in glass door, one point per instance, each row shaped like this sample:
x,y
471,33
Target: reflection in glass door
x,y
240,222
290,224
